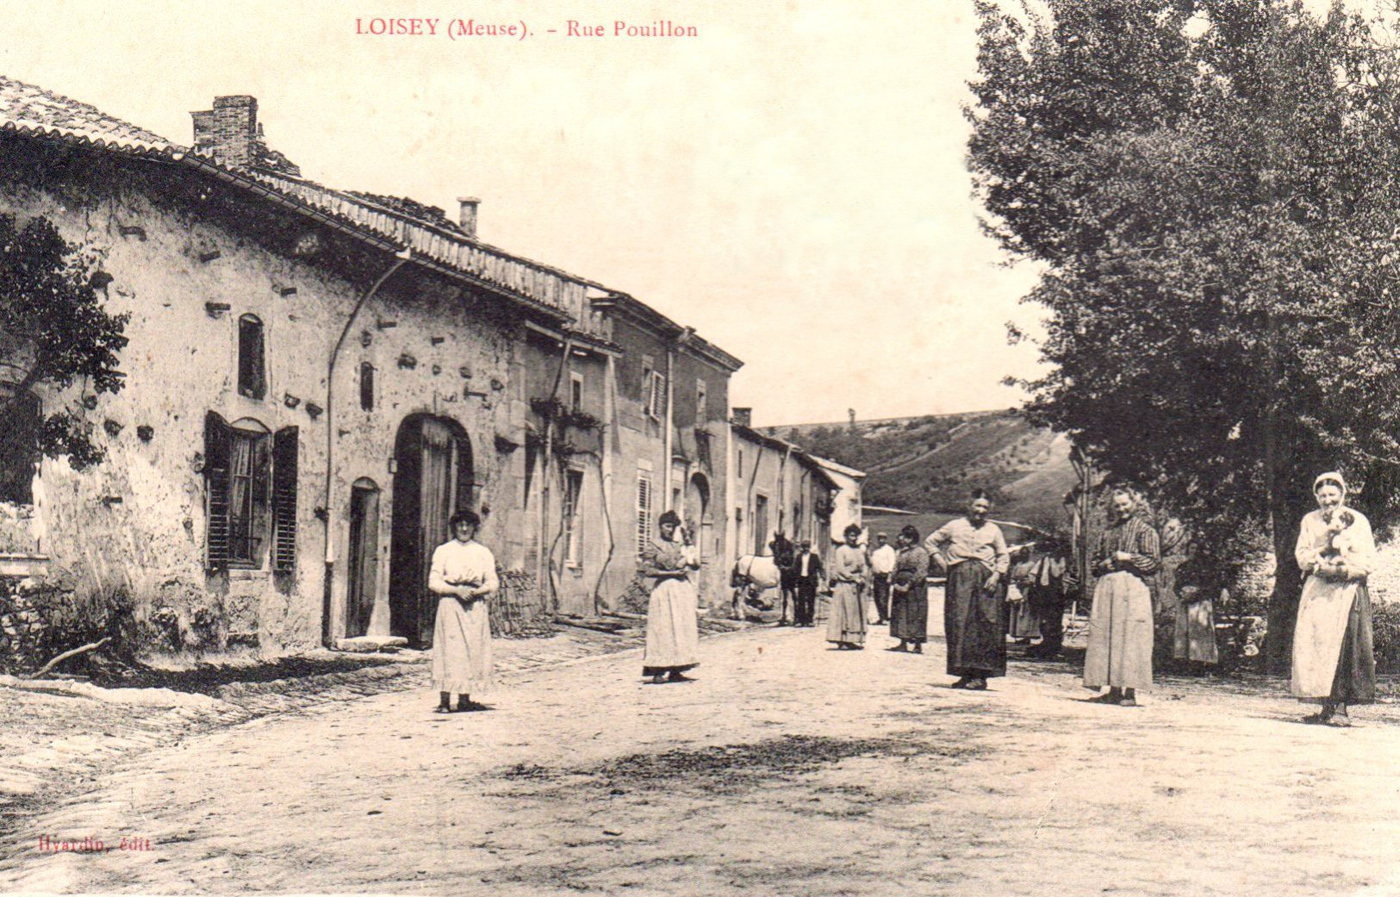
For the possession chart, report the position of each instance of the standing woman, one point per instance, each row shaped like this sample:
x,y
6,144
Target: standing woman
x,y
1120,623
909,593
1333,663
849,571
672,628
973,552
463,572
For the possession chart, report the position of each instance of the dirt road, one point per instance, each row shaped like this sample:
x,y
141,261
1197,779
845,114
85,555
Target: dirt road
x,y
785,769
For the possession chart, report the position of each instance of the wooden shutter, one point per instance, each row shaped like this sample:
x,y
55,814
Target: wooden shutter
x,y
284,500
218,436
643,513
656,397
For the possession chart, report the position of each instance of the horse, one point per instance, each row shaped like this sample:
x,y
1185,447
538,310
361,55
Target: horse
x,y
754,574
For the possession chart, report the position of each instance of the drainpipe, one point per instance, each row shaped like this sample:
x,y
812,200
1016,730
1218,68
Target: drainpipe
x,y
670,419
400,259
547,545
606,478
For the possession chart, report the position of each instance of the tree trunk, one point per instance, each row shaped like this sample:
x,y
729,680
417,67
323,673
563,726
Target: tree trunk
x,y
1284,513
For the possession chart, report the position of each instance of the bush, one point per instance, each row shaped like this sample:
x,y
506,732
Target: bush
x,y
1386,628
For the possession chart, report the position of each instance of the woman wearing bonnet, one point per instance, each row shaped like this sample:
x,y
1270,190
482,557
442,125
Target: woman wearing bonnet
x,y
1333,662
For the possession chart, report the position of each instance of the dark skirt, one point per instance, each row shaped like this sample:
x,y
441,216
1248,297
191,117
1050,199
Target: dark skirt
x,y
972,621
909,614
1355,682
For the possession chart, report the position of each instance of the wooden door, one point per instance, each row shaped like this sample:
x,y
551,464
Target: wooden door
x,y
364,558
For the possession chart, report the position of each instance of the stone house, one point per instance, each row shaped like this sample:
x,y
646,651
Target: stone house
x,y
667,440
315,380
779,488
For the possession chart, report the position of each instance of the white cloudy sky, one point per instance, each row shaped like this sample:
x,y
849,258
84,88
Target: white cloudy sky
x,y
791,182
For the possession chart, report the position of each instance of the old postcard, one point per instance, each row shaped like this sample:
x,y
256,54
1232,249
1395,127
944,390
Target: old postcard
x,y
552,447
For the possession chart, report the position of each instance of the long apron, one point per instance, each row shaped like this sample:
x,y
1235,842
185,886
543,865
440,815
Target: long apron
x,y
973,623
846,624
1333,656
462,660
673,637
909,613
1120,633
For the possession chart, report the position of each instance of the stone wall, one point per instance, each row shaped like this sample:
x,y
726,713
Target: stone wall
x,y
185,274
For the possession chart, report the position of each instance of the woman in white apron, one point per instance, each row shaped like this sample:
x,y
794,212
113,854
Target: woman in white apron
x,y
1333,661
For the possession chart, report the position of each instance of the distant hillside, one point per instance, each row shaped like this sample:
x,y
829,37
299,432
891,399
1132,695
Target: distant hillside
x,y
929,464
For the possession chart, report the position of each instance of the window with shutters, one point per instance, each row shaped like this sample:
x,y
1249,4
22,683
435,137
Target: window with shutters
x,y
573,518
643,512
702,402
252,363
250,495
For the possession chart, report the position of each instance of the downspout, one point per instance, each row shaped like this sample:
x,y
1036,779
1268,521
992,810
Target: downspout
x,y
670,418
548,546
400,259
782,488
606,476
731,527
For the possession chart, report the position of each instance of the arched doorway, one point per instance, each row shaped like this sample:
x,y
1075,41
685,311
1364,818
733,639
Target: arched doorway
x,y
432,481
697,514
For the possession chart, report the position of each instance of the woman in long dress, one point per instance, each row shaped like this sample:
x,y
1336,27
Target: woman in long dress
x,y
1120,622
1333,662
463,572
1197,587
909,593
973,551
848,574
673,637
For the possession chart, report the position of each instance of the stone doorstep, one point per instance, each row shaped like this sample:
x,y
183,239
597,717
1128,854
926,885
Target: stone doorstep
x,y
370,644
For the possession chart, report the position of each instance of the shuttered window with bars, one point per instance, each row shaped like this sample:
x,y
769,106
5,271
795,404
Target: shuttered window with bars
x,y
250,480
643,512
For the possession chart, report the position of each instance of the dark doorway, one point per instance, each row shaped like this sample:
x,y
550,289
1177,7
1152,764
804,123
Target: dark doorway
x,y
432,480
697,515
364,557
760,525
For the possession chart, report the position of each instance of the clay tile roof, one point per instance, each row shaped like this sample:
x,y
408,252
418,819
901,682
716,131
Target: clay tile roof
x,y
33,110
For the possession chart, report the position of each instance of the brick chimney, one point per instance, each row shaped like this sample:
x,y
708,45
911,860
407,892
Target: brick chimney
x,y
466,214
743,417
231,134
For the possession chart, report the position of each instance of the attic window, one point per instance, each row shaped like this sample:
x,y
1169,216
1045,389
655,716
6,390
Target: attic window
x,y
252,365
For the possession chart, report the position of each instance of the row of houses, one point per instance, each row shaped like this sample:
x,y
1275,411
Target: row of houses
x,y
317,378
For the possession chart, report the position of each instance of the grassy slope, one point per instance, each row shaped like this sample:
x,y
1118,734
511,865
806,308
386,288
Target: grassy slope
x,y
929,464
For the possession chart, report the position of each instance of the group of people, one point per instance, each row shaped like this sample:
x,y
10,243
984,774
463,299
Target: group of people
x,y
1333,662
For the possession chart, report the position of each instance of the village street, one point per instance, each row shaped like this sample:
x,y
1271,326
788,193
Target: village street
x,y
785,768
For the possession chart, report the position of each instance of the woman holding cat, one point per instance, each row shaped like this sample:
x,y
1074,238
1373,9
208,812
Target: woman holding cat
x,y
1333,661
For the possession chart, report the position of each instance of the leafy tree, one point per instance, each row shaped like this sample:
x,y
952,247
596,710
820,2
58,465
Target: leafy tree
x,y
1210,190
55,331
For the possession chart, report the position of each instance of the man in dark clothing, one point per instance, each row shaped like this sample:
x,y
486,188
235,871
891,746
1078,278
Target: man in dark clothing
x,y
1047,586
807,571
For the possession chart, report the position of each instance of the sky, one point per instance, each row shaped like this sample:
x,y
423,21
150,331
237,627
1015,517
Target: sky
x,y
790,181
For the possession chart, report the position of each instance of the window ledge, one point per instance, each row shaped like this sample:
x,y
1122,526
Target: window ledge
x,y
13,564
247,574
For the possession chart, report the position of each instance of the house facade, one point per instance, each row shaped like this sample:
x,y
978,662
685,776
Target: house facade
x,y
314,381
668,440
781,489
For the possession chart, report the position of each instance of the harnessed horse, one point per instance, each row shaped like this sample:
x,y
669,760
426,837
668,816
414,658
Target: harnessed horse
x,y
754,574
